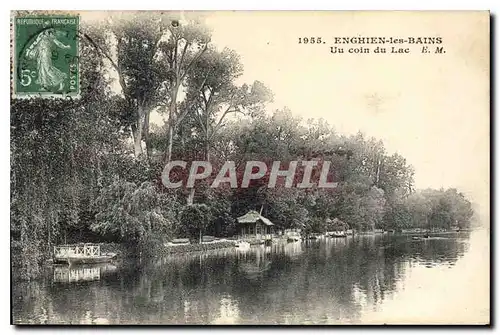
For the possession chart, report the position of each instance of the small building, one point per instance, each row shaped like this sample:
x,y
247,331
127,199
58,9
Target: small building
x,y
254,225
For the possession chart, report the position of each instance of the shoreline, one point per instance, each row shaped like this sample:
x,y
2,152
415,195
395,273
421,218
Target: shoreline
x,y
188,248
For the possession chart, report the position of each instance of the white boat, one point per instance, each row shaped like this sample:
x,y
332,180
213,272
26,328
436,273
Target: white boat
x,y
82,253
242,245
337,234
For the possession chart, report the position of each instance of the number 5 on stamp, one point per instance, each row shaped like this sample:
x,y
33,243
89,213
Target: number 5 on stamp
x,y
46,54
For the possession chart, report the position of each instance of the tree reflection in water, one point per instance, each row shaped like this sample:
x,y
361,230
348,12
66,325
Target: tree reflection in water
x,y
323,281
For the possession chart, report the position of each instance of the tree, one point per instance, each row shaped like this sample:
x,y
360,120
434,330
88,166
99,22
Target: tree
x,y
135,40
195,219
135,214
185,44
213,96
60,151
155,55
285,207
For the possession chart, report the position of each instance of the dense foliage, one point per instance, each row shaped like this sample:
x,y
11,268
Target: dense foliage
x,y
93,165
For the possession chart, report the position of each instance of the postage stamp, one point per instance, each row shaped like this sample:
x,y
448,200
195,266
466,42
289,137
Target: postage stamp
x,y
46,51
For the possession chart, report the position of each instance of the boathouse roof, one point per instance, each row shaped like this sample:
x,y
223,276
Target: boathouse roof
x,y
254,216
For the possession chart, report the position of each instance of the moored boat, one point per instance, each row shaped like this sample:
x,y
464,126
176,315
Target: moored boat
x,y
242,245
338,234
178,241
104,258
293,237
83,253
256,241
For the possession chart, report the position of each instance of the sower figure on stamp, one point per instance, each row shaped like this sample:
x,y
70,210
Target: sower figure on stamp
x,y
41,51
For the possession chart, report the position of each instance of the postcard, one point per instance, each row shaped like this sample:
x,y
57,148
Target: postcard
x,y
250,168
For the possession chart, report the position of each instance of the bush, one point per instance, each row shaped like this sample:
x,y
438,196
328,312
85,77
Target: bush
x,y
194,220
134,214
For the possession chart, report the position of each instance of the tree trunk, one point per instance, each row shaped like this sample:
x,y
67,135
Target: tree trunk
x,y
207,135
207,151
137,135
168,156
377,179
48,232
190,198
137,130
146,134
171,126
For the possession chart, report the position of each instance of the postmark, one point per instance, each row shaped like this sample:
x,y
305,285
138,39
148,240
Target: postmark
x,y
46,52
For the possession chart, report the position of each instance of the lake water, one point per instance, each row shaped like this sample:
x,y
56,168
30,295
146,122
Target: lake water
x,y
361,279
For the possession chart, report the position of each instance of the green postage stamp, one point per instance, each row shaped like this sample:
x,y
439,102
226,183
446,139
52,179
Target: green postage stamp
x,y
45,62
